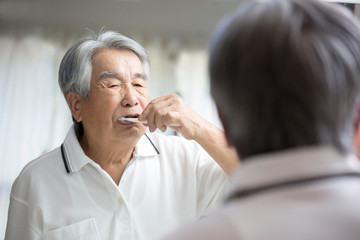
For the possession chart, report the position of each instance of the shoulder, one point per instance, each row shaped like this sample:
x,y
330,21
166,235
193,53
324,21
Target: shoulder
x,y
44,162
37,172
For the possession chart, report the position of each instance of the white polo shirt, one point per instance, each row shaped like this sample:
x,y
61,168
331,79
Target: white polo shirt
x,y
66,195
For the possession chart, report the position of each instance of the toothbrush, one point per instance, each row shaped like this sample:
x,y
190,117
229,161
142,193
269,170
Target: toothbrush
x,y
136,120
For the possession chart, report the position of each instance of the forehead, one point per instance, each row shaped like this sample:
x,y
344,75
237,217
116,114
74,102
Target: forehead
x,y
116,59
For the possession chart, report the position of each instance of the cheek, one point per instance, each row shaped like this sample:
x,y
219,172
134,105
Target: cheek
x,y
144,102
144,98
104,105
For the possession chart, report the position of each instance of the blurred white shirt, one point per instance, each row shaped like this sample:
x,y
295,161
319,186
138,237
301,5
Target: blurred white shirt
x,y
322,209
157,192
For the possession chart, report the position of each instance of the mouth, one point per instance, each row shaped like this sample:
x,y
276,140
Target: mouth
x,y
135,115
122,120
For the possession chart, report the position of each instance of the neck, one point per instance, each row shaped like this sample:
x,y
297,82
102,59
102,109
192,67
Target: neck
x,y
112,156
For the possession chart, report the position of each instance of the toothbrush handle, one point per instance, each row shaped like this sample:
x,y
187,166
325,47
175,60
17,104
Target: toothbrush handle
x,y
145,122
171,125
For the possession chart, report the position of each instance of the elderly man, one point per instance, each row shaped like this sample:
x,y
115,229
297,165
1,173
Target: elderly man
x,y
110,179
285,76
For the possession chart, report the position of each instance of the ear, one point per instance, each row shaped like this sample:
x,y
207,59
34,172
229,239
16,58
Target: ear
x,y
224,123
75,102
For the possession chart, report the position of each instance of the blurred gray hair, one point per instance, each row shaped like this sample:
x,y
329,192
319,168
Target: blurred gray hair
x,y
285,74
76,66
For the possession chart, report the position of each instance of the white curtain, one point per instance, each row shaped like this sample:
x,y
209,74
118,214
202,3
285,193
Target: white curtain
x,y
34,117
33,113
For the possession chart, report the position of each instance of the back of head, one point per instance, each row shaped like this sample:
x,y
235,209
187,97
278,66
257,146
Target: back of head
x,y
285,74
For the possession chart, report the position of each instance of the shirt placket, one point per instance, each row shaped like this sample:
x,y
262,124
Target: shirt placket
x,y
124,214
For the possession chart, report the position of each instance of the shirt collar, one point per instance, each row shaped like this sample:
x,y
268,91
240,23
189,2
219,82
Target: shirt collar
x,y
74,154
292,164
75,158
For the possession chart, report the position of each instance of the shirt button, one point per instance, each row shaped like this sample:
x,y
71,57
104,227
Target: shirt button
x,y
121,200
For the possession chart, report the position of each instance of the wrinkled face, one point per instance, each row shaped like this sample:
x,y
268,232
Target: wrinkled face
x,y
118,89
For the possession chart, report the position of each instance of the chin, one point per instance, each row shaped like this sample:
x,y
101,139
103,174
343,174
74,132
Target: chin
x,y
134,133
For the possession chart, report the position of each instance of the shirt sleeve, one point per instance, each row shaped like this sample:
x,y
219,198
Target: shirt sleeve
x,y
211,183
19,225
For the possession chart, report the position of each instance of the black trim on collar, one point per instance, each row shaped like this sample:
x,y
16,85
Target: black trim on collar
x,y
65,160
243,193
157,151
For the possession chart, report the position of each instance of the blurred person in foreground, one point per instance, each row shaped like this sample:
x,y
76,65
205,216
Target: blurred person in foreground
x,y
110,179
285,75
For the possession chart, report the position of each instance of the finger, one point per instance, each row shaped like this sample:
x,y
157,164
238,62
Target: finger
x,y
164,118
155,118
152,107
153,113
159,118
150,118
163,128
158,121
171,117
151,124
172,99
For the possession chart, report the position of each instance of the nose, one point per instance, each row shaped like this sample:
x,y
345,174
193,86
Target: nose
x,y
130,97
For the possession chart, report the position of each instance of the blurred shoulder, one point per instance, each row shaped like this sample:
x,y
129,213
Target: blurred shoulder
x,y
213,227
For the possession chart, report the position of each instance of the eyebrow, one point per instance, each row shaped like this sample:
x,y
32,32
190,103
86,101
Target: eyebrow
x,y
141,75
109,75
117,75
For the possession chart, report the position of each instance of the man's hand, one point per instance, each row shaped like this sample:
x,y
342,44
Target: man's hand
x,y
163,111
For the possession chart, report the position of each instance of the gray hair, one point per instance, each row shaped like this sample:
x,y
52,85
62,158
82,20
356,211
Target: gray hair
x,y
285,73
76,66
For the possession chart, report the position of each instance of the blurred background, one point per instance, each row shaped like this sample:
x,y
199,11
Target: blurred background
x,y
34,36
